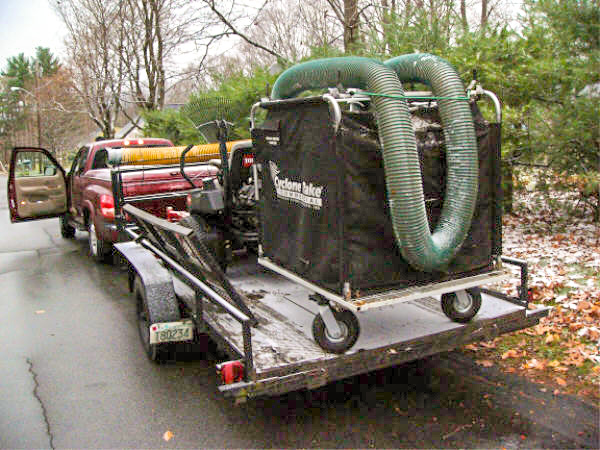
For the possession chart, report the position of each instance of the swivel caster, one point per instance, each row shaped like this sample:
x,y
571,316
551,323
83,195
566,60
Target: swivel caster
x,y
461,306
335,331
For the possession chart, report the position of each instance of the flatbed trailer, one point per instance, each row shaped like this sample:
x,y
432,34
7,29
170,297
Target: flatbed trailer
x,y
262,319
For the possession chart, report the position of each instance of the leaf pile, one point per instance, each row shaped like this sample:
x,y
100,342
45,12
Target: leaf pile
x,y
563,252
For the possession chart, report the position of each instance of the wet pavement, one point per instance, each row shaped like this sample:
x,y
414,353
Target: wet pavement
x,y
73,375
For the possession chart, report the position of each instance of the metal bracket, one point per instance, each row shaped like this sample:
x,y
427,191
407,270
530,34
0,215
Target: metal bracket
x,y
523,298
332,326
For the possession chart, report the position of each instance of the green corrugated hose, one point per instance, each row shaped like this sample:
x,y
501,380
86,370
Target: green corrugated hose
x,y
422,249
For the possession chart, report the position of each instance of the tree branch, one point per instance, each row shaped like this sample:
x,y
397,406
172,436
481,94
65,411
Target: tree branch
x,y
234,30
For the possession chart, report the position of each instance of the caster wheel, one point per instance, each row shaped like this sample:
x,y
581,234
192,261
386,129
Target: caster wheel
x,y
349,326
461,306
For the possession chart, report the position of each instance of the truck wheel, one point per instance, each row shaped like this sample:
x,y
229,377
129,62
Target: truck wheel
x,y
66,230
347,321
156,352
461,306
100,250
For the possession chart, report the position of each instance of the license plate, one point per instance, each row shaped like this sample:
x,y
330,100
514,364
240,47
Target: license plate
x,y
171,331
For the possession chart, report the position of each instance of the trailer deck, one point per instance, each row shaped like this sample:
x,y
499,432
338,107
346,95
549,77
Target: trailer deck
x,y
287,358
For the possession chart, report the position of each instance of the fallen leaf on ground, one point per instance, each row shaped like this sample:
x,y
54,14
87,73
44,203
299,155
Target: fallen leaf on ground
x,y
512,354
168,435
575,326
456,430
491,344
583,305
534,364
560,381
484,362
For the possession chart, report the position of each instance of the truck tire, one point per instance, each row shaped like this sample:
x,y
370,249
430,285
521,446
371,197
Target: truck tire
x,y
146,316
463,305
66,230
100,250
350,330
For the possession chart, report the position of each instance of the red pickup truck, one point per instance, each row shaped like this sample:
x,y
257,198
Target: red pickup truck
x,y
83,198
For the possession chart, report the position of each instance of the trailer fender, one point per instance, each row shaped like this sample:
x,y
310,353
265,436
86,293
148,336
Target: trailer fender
x,y
157,280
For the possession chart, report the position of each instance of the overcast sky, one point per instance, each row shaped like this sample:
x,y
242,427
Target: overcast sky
x,y
27,24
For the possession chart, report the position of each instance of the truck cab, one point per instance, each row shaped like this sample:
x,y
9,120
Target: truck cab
x,y
40,188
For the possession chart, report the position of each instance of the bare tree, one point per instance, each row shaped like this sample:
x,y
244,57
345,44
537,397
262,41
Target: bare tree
x,y
235,18
276,30
348,13
63,117
153,34
478,14
96,68
463,15
292,29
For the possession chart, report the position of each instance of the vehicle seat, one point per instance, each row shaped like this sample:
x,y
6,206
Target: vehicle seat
x,y
100,159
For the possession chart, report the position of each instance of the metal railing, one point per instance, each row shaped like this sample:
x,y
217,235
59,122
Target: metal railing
x,y
171,243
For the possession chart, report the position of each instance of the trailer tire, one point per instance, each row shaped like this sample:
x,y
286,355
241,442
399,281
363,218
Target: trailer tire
x,y
350,329
145,317
462,307
66,230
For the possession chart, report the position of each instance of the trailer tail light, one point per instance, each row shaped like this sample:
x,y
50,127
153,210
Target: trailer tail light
x,y
231,372
107,206
174,215
247,160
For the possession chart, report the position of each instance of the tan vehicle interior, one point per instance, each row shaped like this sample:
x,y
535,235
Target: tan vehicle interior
x,y
39,186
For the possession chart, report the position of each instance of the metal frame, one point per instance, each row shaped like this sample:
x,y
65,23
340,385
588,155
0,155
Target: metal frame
x,y
116,176
334,103
394,296
523,298
149,225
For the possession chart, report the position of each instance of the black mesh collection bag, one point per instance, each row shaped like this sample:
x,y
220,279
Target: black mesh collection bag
x,y
324,208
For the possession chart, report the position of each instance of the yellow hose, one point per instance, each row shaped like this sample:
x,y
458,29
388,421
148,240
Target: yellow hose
x,y
170,155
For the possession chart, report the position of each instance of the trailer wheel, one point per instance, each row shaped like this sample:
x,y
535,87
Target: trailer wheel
x,y
156,352
461,306
348,323
66,230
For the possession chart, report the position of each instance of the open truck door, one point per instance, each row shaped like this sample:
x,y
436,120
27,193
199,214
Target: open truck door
x,y
37,187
